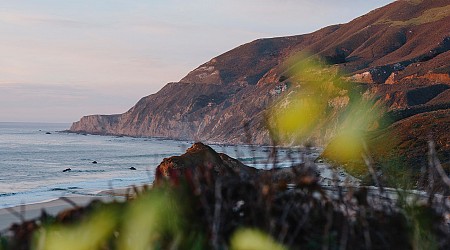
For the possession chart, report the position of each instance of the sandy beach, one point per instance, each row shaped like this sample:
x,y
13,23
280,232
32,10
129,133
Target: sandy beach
x,y
8,216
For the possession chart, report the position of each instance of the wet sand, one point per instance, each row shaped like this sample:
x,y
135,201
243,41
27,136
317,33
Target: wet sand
x,y
8,216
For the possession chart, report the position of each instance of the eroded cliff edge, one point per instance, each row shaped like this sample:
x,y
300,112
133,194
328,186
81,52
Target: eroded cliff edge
x,y
398,54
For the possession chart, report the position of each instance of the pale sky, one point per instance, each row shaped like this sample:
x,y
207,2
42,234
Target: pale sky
x,y
62,59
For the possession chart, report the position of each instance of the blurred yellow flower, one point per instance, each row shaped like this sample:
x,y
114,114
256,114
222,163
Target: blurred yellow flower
x,y
88,235
252,239
298,118
320,103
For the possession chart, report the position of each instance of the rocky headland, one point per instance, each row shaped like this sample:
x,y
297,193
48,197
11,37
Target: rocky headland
x,y
397,55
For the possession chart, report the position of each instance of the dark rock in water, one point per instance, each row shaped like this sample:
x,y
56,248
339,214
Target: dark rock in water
x,y
201,161
132,168
94,162
67,170
48,133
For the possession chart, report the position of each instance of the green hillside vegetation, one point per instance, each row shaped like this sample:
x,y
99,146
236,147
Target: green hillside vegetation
x,y
428,16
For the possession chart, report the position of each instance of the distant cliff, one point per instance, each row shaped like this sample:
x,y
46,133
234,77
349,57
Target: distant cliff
x,y
398,54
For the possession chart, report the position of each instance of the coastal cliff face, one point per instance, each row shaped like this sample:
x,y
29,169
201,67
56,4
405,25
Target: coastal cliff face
x,y
210,104
398,54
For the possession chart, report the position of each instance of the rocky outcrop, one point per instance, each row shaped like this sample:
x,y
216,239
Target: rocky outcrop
x,y
96,124
202,163
200,157
365,77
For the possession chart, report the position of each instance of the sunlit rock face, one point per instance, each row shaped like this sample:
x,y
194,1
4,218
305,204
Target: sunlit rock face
x,y
204,160
201,164
395,54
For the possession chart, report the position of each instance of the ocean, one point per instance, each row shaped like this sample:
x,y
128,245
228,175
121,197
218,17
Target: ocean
x,y
34,155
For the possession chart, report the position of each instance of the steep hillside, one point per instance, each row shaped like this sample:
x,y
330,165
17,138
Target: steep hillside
x,y
398,54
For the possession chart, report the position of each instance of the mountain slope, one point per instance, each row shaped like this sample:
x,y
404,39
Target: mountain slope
x,y
399,54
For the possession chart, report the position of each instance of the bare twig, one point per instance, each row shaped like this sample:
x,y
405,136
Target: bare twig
x,y
69,201
285,226
436,163
344,236
327,228
369,163
365,225
15,213
248,134
216,220
305,217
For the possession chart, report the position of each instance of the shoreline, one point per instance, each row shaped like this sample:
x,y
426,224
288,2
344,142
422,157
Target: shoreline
x,y
30,211
191,141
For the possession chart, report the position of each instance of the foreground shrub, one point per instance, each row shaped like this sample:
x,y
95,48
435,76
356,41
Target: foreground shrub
x,y
204,210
